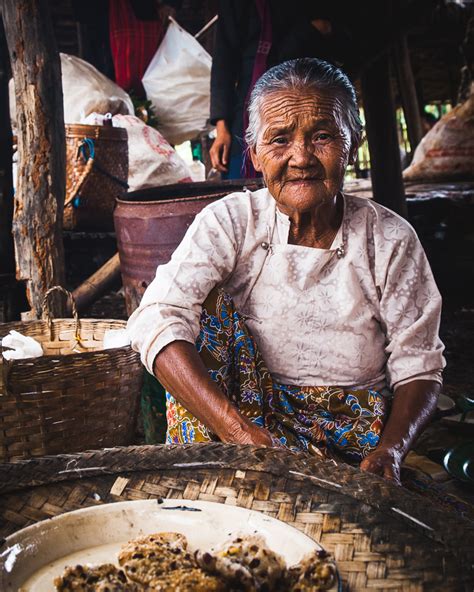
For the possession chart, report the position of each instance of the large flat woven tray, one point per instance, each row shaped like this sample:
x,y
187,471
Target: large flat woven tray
x,y
383,537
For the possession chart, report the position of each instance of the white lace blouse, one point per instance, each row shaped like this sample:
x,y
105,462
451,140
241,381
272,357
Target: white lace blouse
x,y
364,313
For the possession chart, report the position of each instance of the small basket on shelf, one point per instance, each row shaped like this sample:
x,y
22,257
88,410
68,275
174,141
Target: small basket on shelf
x,y
75,397
96,174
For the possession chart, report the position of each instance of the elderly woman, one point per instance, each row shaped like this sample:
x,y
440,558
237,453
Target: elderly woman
x,y
292,315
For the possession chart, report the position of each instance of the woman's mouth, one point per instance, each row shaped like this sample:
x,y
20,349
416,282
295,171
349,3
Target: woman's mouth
x,y
304,180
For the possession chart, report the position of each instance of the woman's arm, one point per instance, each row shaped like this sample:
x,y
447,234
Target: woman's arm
x,y
226,63
171,306
410,309
413,406
220,149
165,326
180,370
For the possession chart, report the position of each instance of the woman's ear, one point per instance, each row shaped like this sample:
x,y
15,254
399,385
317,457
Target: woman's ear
x,y
255,159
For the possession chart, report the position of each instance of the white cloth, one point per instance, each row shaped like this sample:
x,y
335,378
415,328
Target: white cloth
x,y
115,338
22,346
363,313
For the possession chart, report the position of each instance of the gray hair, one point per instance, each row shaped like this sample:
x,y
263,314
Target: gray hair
x,y
304,74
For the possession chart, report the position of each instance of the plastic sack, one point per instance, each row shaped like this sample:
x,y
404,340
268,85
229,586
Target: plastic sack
x,y
177,82
85,90
151,160
446,153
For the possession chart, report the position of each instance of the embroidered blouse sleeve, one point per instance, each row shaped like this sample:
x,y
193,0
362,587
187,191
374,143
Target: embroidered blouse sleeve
x,y
410,308
171,306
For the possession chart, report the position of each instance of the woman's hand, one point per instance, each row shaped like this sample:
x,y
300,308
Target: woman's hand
x,y
413,405
384,462
246,432
220,149
165,12
181,371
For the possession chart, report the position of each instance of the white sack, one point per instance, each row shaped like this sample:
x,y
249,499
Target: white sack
x,y
446,153
151,160
85,90
177,82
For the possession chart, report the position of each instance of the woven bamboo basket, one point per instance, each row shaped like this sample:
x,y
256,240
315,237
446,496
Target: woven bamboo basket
x,y
75,397
382,537
96,174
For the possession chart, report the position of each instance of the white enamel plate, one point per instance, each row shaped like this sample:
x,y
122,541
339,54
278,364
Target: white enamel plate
x,y
31,558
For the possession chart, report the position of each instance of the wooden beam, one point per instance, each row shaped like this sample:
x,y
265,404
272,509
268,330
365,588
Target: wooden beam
x,y
97,284
406,83
39,199
381,129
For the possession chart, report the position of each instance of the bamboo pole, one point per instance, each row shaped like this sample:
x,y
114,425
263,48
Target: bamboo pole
x,y
97,284
406,83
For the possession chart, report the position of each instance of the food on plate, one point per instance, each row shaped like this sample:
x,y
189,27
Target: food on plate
x,y
187,580
147,558
162,563
170,539
313,572
245,561
103,578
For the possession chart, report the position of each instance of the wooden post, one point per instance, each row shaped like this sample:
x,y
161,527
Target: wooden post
x,y
7,260
407,87
39,199
467,71
10,300
381,129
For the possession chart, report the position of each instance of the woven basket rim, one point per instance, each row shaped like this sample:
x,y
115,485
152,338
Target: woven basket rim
x,y
49,357
367,488
64,319
390,551
83,355
100,132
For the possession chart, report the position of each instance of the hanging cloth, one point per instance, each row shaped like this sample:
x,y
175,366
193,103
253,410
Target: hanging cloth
x,y
133,42
259,67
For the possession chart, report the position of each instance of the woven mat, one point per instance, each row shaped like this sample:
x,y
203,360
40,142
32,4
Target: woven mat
x,y
382,537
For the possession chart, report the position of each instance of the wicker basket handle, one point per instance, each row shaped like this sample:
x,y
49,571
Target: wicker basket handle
x,y
47,313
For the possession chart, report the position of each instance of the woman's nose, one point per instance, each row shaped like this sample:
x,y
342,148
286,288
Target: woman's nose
x,y
303,154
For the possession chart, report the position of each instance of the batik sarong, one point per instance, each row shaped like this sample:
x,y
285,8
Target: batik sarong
x,y
317,418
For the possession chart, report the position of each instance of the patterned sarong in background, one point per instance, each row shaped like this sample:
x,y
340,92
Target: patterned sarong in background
x,y
327,418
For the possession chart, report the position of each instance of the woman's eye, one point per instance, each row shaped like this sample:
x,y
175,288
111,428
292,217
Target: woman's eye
x,y
322,137
279,140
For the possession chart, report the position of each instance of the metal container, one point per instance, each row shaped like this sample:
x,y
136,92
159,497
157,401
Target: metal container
x,y
151,223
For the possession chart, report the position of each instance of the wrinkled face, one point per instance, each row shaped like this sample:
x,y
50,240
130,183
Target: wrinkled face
x,y
303,148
